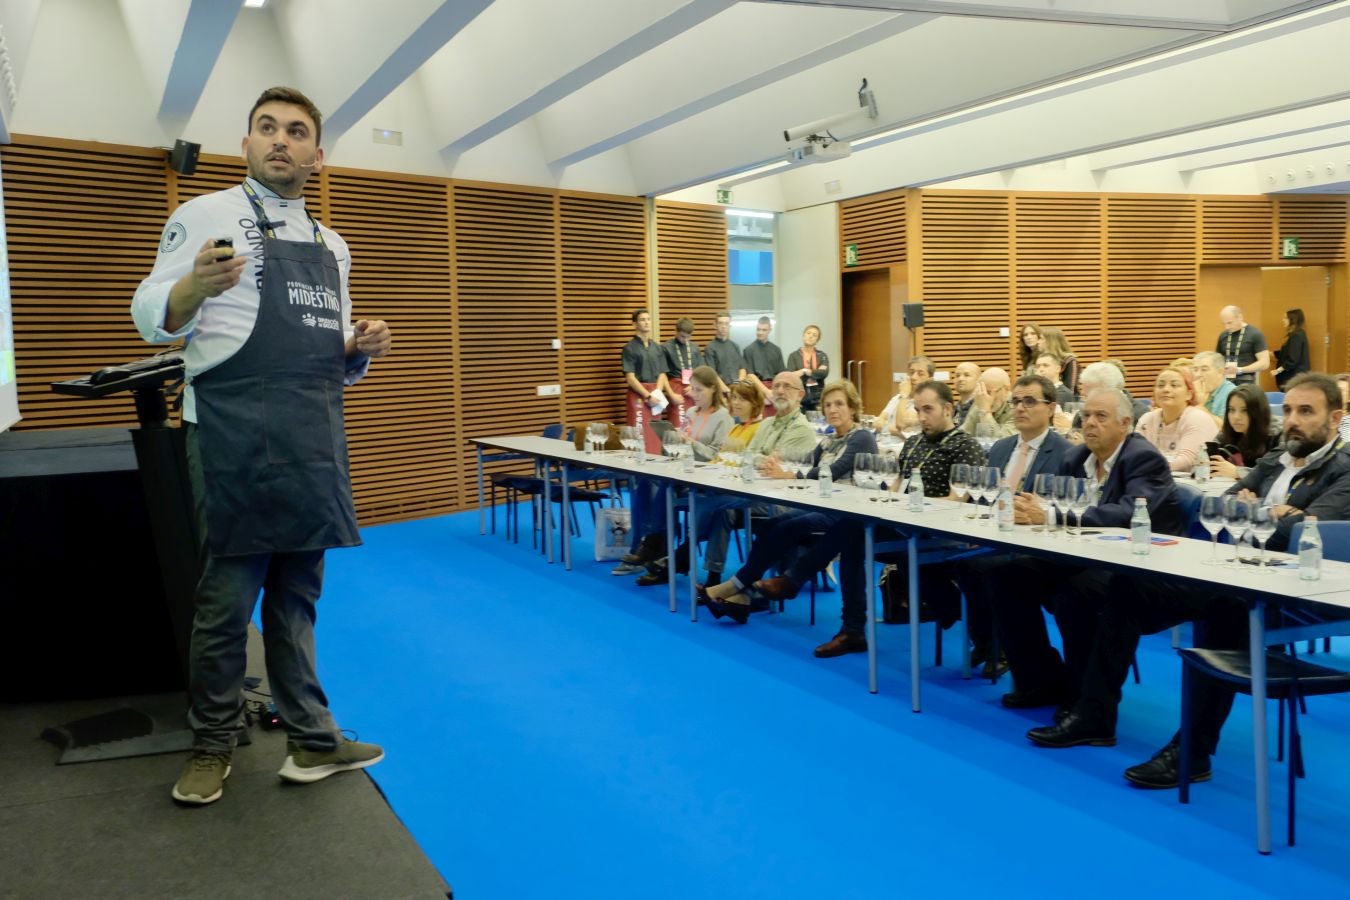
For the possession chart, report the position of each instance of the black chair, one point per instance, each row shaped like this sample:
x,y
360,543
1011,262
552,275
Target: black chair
x,y
1288,680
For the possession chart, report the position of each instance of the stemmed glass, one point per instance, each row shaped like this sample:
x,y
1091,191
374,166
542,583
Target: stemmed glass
x,y
803,462
863,475
630,436
1236,518
1063,499
887,470
989,490
1212,518
960,480
1044,489
597,435
975,487
1263,526
1081,500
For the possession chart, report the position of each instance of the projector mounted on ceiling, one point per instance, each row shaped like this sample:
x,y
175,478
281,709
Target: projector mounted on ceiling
x,y
819,144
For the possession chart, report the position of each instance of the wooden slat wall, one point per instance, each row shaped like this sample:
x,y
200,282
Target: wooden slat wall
x,y
691,266
1237,230
876,223
1058,270
1151,280
84,223
475,280
965,277
604,278
1318,223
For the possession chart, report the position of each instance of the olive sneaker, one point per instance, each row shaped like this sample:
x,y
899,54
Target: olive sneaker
x,y
203,777
304,766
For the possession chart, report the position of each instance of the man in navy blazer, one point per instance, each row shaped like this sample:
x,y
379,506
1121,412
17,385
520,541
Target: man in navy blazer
x,y
1124,466
1041,450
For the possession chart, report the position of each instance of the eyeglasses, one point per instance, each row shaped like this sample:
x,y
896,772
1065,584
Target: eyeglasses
x,y
1028,402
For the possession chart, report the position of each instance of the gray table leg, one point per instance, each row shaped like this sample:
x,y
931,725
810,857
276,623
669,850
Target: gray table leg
x,y
692,517
546,508
965,639
670,542
566,519
869,552
915,603
482,528
1258,649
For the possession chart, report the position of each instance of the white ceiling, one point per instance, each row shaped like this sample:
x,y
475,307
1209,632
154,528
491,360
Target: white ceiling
x,y
647,96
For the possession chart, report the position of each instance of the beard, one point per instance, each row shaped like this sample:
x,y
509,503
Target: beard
x,y
282,184
1303,446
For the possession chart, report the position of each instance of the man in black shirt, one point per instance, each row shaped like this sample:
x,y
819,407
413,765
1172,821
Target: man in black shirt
x,y
724,356
763,358
644,372
682,358
1243,347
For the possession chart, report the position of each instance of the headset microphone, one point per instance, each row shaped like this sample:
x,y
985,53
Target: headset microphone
x,y
309,165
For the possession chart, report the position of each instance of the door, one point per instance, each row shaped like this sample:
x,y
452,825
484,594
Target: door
x,y
867,336
1296,287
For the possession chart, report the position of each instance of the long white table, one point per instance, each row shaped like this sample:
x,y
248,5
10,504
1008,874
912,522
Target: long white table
x,y
1185,559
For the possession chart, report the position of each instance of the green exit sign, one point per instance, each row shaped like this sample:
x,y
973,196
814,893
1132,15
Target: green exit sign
x,y
724,196
1289,248
850,254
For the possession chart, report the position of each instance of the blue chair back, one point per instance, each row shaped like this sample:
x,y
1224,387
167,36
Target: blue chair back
x,y
1189,497
554,431
1276,400
1335,539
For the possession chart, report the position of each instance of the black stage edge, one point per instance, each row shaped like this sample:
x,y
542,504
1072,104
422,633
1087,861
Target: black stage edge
x,y
111,830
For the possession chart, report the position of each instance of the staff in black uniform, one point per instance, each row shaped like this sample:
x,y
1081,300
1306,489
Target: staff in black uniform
x,y
267,359
763,358
724,356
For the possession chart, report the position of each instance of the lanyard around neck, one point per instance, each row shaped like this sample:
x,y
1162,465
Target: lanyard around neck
x,y
1241,331
263,222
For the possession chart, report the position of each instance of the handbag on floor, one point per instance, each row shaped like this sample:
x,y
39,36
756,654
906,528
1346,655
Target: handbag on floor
x,y
612,529
941,600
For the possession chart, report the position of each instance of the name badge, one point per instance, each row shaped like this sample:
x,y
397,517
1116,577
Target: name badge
x,y
686,375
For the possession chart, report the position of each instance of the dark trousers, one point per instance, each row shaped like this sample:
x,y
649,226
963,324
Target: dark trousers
x,y
1136,606
1017,588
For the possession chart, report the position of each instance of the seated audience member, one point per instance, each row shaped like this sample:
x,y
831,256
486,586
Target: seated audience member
x,y
1139,406
989,406
1028,348
1123,466
786,432
842,408
1343,382
1211,388
1147,604
706,427
1246,433
1034,449
941,446
1054,341
965,378
812,364
746,409
899,412
1175,425
1048,366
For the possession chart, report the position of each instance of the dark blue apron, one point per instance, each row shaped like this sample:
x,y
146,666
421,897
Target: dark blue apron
x,y
269,418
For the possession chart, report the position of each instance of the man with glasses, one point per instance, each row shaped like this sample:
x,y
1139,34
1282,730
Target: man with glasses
x,y
1310,477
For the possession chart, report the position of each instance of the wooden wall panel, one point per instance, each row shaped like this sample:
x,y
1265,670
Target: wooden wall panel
x,y
1058,265
604,278
1151,283
1318,222
691,267
876,223
966,277
1237,230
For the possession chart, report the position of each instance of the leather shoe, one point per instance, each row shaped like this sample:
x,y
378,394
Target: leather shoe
x,y
780,587
1032,698
994,671
1072,732
736,612
657,573
841,644
1164,770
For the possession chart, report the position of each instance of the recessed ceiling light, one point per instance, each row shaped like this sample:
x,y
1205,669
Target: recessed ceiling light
x,y
255,4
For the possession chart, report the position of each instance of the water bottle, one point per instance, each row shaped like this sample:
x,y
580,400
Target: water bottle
x,y
826,480
1202,470
915,494
1141,529
687,457
1005,506
747,467
1310,551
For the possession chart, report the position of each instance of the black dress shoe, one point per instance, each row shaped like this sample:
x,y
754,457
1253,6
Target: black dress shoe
x,y
657,573
1032,698
1164,770
1073,731
991,670
842,643
736,612
1062,713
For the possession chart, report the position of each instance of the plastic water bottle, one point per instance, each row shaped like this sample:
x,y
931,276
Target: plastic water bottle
x,y
1310,551
1004,506
915,494
747,467
826,480
687,457
1141,529
1202,470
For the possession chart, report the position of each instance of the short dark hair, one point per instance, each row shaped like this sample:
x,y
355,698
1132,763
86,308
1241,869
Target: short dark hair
x,y
685,325
295,98
1046,386
638,312
764,320
926,362
940,388
1319,382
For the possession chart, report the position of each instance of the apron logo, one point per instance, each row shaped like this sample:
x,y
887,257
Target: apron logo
x,y
175,236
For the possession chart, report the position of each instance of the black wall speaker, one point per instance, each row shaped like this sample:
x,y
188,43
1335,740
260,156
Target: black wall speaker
x,y
913,315
183,157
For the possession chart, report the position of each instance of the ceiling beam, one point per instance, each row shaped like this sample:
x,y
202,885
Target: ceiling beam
x,y
1257,151
205,30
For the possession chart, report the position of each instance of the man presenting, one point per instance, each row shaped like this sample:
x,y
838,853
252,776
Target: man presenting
x,y
1242,346
267,359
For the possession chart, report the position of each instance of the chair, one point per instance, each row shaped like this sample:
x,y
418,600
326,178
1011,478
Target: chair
x,y
1276,399
514,484
1288,680
1335,545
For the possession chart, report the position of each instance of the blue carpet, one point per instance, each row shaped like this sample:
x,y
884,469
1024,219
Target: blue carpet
x,y
556,734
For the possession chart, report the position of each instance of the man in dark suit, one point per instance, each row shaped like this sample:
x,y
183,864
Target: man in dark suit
x,y
1310,477
1124,466
1035,449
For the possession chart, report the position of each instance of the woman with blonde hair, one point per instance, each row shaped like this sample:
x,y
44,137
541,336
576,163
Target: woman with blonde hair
x,y
1176,425
1054,341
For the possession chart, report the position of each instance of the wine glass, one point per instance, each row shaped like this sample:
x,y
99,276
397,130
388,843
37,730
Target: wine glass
x,y
1063,498
960,480
598,435
975,488
863,476
1082,498
887,469
1263,526
1044,489
989,489
1236,517
1212,518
